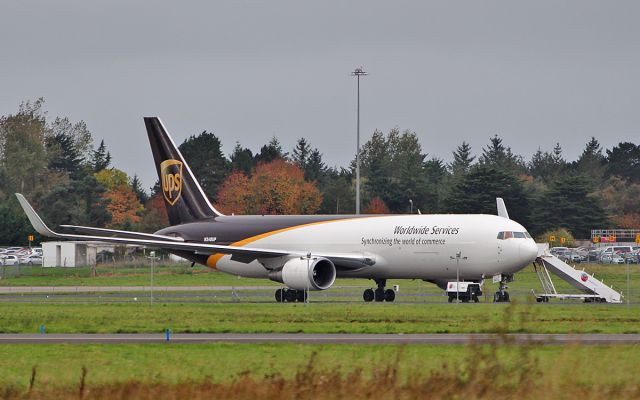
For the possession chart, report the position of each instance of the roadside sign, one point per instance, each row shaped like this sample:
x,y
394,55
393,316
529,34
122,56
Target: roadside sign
x,y
552,238
596,239
612,238
638,238
31,238
563,240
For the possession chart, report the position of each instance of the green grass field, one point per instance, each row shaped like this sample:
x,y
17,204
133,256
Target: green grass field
x,y
275,371
318,371
420,307
319,318
344,289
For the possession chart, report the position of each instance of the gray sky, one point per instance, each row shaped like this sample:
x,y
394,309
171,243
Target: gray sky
x,y
534,72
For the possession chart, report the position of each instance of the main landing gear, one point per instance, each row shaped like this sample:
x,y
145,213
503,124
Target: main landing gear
x,y
379,294
502,296
291,295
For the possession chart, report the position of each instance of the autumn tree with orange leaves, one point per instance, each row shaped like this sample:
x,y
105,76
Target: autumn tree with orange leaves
x,y
276,187
122,202
376,206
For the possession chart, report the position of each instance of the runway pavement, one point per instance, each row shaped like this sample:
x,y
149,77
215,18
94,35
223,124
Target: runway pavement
x,y
338,338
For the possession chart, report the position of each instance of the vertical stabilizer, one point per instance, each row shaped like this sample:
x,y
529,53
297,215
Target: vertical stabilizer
x,y
502,209
184,198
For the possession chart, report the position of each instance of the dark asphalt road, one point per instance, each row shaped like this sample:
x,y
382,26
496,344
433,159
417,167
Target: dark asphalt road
x,y
437,339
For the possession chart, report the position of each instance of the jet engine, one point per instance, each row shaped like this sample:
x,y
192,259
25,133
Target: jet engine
x,y
306,273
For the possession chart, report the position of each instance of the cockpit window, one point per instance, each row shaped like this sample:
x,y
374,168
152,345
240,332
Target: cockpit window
x,y
517,235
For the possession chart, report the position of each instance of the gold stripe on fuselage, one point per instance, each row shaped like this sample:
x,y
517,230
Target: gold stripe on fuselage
x,y
213,259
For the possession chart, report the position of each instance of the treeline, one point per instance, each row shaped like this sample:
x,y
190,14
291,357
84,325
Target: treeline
x,y
56,163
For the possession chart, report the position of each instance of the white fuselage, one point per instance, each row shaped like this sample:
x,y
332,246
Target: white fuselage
x,y
406,246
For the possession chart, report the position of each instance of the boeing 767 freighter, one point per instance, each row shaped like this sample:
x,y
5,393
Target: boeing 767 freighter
x,y
308,252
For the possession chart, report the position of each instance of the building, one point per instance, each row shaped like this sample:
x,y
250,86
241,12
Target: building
x,y
69,254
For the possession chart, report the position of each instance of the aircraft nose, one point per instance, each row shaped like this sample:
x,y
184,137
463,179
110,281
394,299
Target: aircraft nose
x,y
528,251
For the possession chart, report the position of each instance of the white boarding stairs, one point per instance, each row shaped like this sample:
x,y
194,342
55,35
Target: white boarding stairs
x,y
594,289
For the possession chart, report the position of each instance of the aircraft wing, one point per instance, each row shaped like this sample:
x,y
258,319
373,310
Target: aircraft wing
x,y
242,254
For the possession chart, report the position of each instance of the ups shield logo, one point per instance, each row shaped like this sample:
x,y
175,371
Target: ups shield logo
x,y
171,175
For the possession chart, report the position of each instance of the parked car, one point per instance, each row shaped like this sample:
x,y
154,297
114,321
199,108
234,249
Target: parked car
x,y
576,258
556,251
33,259
13,250
612,259
9,259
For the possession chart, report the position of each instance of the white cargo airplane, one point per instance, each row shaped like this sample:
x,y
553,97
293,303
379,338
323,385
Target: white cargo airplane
x,y
308,252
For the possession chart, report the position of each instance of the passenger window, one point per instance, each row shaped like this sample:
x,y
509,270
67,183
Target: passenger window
x,y
501,235
518,235
508,235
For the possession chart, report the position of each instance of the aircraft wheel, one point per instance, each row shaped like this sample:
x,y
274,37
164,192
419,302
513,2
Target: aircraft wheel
x,y
280,295
505,298
389,295
379,295
497,297
475,299
290,295
302,296
450,299
368,295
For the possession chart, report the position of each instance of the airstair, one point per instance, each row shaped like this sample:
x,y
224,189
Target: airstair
x,y
592,288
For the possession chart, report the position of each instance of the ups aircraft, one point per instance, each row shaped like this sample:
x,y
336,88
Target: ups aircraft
x,y
308,252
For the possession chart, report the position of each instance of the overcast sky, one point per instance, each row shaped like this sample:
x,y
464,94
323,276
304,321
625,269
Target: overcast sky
x,y
533,72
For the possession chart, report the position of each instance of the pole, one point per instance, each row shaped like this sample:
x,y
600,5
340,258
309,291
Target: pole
x,y
628,287
358,153
357,73
458,278
153,260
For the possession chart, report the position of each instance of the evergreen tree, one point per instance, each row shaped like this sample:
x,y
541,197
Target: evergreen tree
x,y
338,192
476,194
301,153
206,160
462,160
271,151
436,176
375,168
568,204
242,159
101,158
498,156
315,168
408,172
547,166
136,185
591,161
63,154
624,160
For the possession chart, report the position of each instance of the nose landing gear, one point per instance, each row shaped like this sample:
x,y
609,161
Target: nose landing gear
x,y
379,294
502,296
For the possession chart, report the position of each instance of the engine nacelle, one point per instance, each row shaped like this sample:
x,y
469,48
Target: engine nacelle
x,y
306,274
